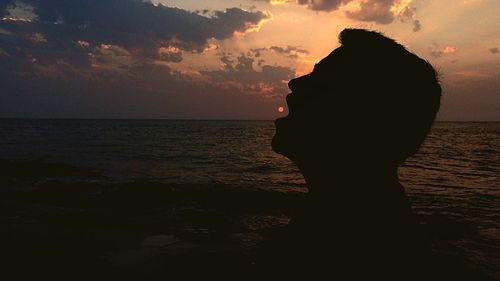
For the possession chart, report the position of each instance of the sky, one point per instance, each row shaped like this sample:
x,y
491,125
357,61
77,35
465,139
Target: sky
x,y
225,59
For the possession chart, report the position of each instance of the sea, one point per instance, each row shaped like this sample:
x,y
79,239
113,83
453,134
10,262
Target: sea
x,y
193,180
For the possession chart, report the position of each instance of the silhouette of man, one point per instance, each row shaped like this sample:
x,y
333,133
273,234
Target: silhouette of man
x,y
363,110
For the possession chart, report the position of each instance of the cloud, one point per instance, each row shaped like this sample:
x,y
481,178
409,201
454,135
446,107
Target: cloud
x,y
37,38
417,26
140,89
118,58
137,26
20,11
322,5
494,50
437,52
240,74
316,5
170,53
292,52
378,11
472,74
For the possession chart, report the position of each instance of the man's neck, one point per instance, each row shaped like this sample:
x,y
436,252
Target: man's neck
x,y
350,179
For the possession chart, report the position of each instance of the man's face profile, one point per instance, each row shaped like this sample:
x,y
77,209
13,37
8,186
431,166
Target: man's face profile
x,y
369,100
308,104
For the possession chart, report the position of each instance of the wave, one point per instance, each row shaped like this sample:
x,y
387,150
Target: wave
x,y
258,169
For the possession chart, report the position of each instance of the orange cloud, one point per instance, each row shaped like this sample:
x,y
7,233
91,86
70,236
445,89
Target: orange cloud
x,y
268,16
449,50
437,52
170,53
83,43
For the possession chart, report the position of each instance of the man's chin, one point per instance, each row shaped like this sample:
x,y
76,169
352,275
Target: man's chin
x,y
282,142
279,145
276,145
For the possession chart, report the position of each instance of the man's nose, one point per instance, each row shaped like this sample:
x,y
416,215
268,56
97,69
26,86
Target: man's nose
x,y
299,83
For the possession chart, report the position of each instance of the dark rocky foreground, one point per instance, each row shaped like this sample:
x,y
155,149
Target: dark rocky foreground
x,y
137,230
146,230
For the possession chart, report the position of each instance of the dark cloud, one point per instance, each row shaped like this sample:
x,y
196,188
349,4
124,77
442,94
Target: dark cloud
x,y
318,5
323,5
144,90
138,26
408,15
107,58
18,10
494,50
436,51
170,54
378,11
240,74
292,52
417,26
28,42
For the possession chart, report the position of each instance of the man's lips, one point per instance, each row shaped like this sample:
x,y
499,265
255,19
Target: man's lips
x,y
279,122
282,136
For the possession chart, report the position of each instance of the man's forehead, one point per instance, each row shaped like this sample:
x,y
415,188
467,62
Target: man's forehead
x,y
331,58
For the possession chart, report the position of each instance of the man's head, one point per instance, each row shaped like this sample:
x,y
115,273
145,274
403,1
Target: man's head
x,y
369,100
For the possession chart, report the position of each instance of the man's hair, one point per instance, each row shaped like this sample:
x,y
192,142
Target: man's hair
x,y
400,91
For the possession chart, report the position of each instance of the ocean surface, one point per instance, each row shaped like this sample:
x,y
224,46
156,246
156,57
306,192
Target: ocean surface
x,y
453,181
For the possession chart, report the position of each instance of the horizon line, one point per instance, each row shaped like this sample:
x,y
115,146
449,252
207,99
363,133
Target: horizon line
x,y
199,119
